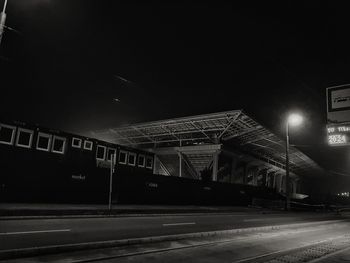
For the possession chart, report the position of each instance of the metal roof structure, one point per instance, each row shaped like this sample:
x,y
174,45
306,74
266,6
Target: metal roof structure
x,y
231,127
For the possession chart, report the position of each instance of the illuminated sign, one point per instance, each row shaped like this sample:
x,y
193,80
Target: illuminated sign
x,y
338,135
338,104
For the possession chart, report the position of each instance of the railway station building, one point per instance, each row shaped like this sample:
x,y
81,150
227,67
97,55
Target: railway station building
x,y
229,147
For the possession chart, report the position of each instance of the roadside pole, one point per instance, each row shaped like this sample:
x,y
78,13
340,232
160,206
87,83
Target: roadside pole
x,y
113,161
287,204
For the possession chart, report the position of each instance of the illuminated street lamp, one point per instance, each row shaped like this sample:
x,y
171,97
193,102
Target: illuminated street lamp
x,y
2,20
293,120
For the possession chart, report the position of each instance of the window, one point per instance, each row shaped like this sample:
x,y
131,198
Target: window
x,y
24,138
100,152
122,157
7,134
76,142
110,152
141,161
132,159
88,145
59,144
43,142
149,162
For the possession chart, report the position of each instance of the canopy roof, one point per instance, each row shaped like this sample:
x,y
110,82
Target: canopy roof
x,y
234,128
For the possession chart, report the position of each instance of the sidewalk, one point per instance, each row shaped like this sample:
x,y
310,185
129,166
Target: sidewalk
x,y
12,210
337,257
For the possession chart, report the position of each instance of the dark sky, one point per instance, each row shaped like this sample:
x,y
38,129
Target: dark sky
x,y
182,59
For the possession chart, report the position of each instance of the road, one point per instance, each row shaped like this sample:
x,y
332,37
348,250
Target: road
x,y
24,234
16,234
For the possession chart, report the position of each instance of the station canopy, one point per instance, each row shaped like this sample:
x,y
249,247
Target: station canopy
x,y
233,128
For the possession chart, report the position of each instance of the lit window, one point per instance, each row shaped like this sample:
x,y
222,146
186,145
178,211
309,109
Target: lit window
x,y
76,142
110,152
24,138
149,162
43,142
141,161
132,159
88,145
59,144
122,157
7,134
100,152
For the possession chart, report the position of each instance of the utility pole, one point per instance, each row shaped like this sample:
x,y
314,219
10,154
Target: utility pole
x,y
2,20
113,162
287,207
294,120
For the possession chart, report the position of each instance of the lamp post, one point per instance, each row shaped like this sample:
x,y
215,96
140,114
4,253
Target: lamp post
x,y
294,120
113,163
2,20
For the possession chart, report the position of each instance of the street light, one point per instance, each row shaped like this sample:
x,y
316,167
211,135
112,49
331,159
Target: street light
x,y
293,119
2,20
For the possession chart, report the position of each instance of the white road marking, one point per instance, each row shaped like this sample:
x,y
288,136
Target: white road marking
x,y
179,224
34,232
264,219
255,219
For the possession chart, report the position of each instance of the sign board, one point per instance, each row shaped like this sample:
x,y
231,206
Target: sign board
x,y
338,104
338,134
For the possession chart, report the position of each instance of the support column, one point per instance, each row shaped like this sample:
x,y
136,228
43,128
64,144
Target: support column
x,y
156,165
278,182
264,177
180,164
180,161
281,185
216,140
251,173
255,171
274,180
215,166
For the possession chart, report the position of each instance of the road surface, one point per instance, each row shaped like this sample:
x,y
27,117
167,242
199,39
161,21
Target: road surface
x,y
16,234
24,234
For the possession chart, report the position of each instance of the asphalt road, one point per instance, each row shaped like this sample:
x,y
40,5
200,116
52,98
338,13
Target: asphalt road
x,y
16,234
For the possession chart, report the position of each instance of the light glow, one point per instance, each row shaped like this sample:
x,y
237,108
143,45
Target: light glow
x,y
295,119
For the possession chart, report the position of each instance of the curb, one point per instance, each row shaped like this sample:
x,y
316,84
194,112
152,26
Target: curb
x,y
134,213
128,215
33,251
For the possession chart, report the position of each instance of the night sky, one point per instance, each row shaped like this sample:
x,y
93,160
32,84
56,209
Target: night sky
x,y
68,61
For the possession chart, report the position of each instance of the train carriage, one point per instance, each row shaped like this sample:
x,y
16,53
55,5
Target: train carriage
x,y
40,164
